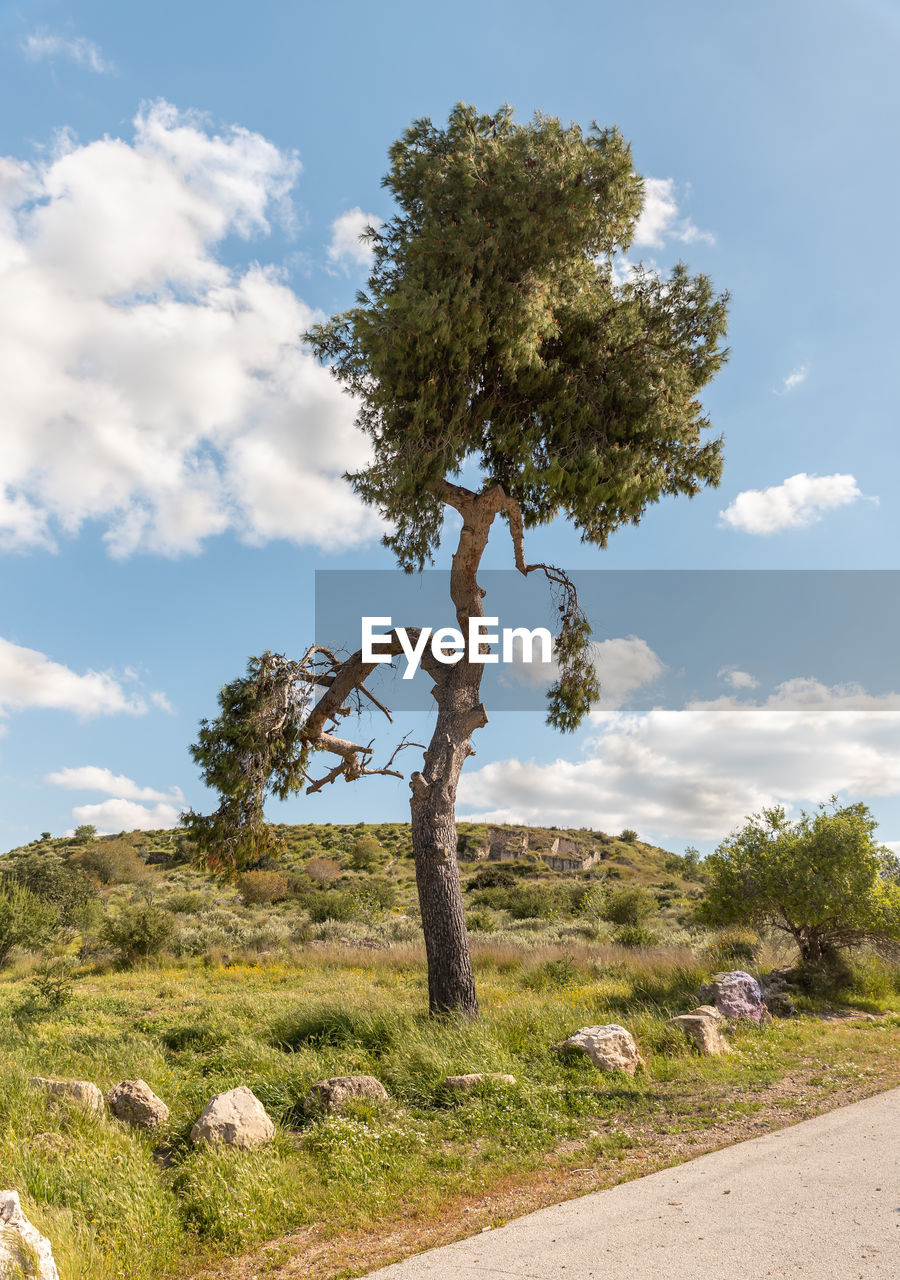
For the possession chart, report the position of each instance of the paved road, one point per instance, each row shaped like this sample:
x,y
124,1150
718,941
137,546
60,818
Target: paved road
x,y
818,1201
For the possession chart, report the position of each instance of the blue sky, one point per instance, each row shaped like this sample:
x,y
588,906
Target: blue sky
x,y
180,191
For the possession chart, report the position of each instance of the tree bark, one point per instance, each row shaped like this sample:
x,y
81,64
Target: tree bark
x,y
451,984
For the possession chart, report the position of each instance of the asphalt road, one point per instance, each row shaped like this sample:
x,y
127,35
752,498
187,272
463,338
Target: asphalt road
x,y
817,1201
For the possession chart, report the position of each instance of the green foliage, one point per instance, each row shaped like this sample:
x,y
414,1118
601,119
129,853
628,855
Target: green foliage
x,y
366,853
139,931
481,921
85,833
821,880
63,885
25,919
635,935
733,948
493,877
629,836
258,887
629,906
332,904
54,982
111,862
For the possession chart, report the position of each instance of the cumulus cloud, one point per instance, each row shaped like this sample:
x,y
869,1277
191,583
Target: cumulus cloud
x,y
125,815
131,808
796,503
697,773
660,221
91,777
29,678
346,249
793,379
45,45
144,385
736,678
623,665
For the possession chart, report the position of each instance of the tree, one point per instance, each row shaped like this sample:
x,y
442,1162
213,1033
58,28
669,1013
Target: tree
x,y
366,853
631,905
85,833
25,919
495,334
822,880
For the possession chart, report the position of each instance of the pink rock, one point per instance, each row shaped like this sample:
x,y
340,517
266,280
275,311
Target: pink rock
x,y
735,995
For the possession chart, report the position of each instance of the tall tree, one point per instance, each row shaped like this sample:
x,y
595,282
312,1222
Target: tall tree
x,y
497,331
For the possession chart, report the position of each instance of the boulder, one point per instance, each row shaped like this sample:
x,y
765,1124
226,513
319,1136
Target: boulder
x,y
331,1094
735,995
610,1048
81,1092
462,1083
236,1118
23,1250
134,1102
702,1030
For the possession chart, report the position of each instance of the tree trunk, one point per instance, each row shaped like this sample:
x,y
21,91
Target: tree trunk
x,y
451,984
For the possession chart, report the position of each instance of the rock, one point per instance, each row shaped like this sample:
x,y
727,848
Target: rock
x,y
610,1048
236,1118
330,1095
780,1005
135,1102
462,1083
23,1250
82,1092
703,1030
736,995
708,1011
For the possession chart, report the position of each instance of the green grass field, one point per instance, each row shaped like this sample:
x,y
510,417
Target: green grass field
x,y
117,1203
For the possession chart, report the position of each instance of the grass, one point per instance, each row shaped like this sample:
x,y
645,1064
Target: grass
x,y
117,1203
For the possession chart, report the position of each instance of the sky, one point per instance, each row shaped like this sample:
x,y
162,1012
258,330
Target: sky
x,y
182,189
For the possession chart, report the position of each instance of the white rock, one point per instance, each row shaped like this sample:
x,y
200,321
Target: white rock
x,y
702,1030
82,1092
135,1102
331,1094
474,1078
237,1118
22,1247
610,1048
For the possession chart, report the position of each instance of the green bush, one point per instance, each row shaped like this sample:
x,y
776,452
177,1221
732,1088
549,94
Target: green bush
x,y
732,947
482,920
634,935
629,836
54,982
141,930
629,906
25,919
332,904
366,853
187,903
259,887
64,887
111,862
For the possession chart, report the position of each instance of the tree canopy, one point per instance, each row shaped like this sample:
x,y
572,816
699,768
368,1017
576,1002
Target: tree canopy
x,y
823,880
496,329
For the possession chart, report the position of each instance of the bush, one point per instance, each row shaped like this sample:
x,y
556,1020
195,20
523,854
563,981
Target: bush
x,y
64,887
141,930
54,982
111,862
629,836
732,947
257,887
332,904
187,903
629,906
323,870
634,935
25,920
366,853
492,878
481,921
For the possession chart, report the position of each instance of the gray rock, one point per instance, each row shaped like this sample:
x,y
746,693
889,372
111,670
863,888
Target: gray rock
x,y
81,1092
610,1048
462,1083
736,995
331,1094
702,1030
236,1118
23,1250
134,1102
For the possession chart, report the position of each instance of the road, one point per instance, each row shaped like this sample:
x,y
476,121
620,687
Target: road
x,y
817,1201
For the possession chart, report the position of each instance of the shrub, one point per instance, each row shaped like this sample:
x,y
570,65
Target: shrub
x,y
111,862
492,878
732,947
629,836
629,906
634,935
366,853
481,920
62,886
141,930
257,887
54,982
323,870
25,920
332,904
187,903
85,833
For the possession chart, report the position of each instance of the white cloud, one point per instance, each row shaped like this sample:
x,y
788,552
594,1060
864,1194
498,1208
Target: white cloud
x,y
796,503
91,777
83,52
660,222
699,772
793,379
125,815
736,678
346,250
143,384
623,665
31,679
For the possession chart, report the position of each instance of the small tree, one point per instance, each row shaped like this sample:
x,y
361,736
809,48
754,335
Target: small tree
x,y
495,335
85,833
366,853
25,919
631,905
822,880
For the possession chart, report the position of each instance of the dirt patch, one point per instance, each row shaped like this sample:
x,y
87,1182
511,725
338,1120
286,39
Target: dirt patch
x,y
567,1172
